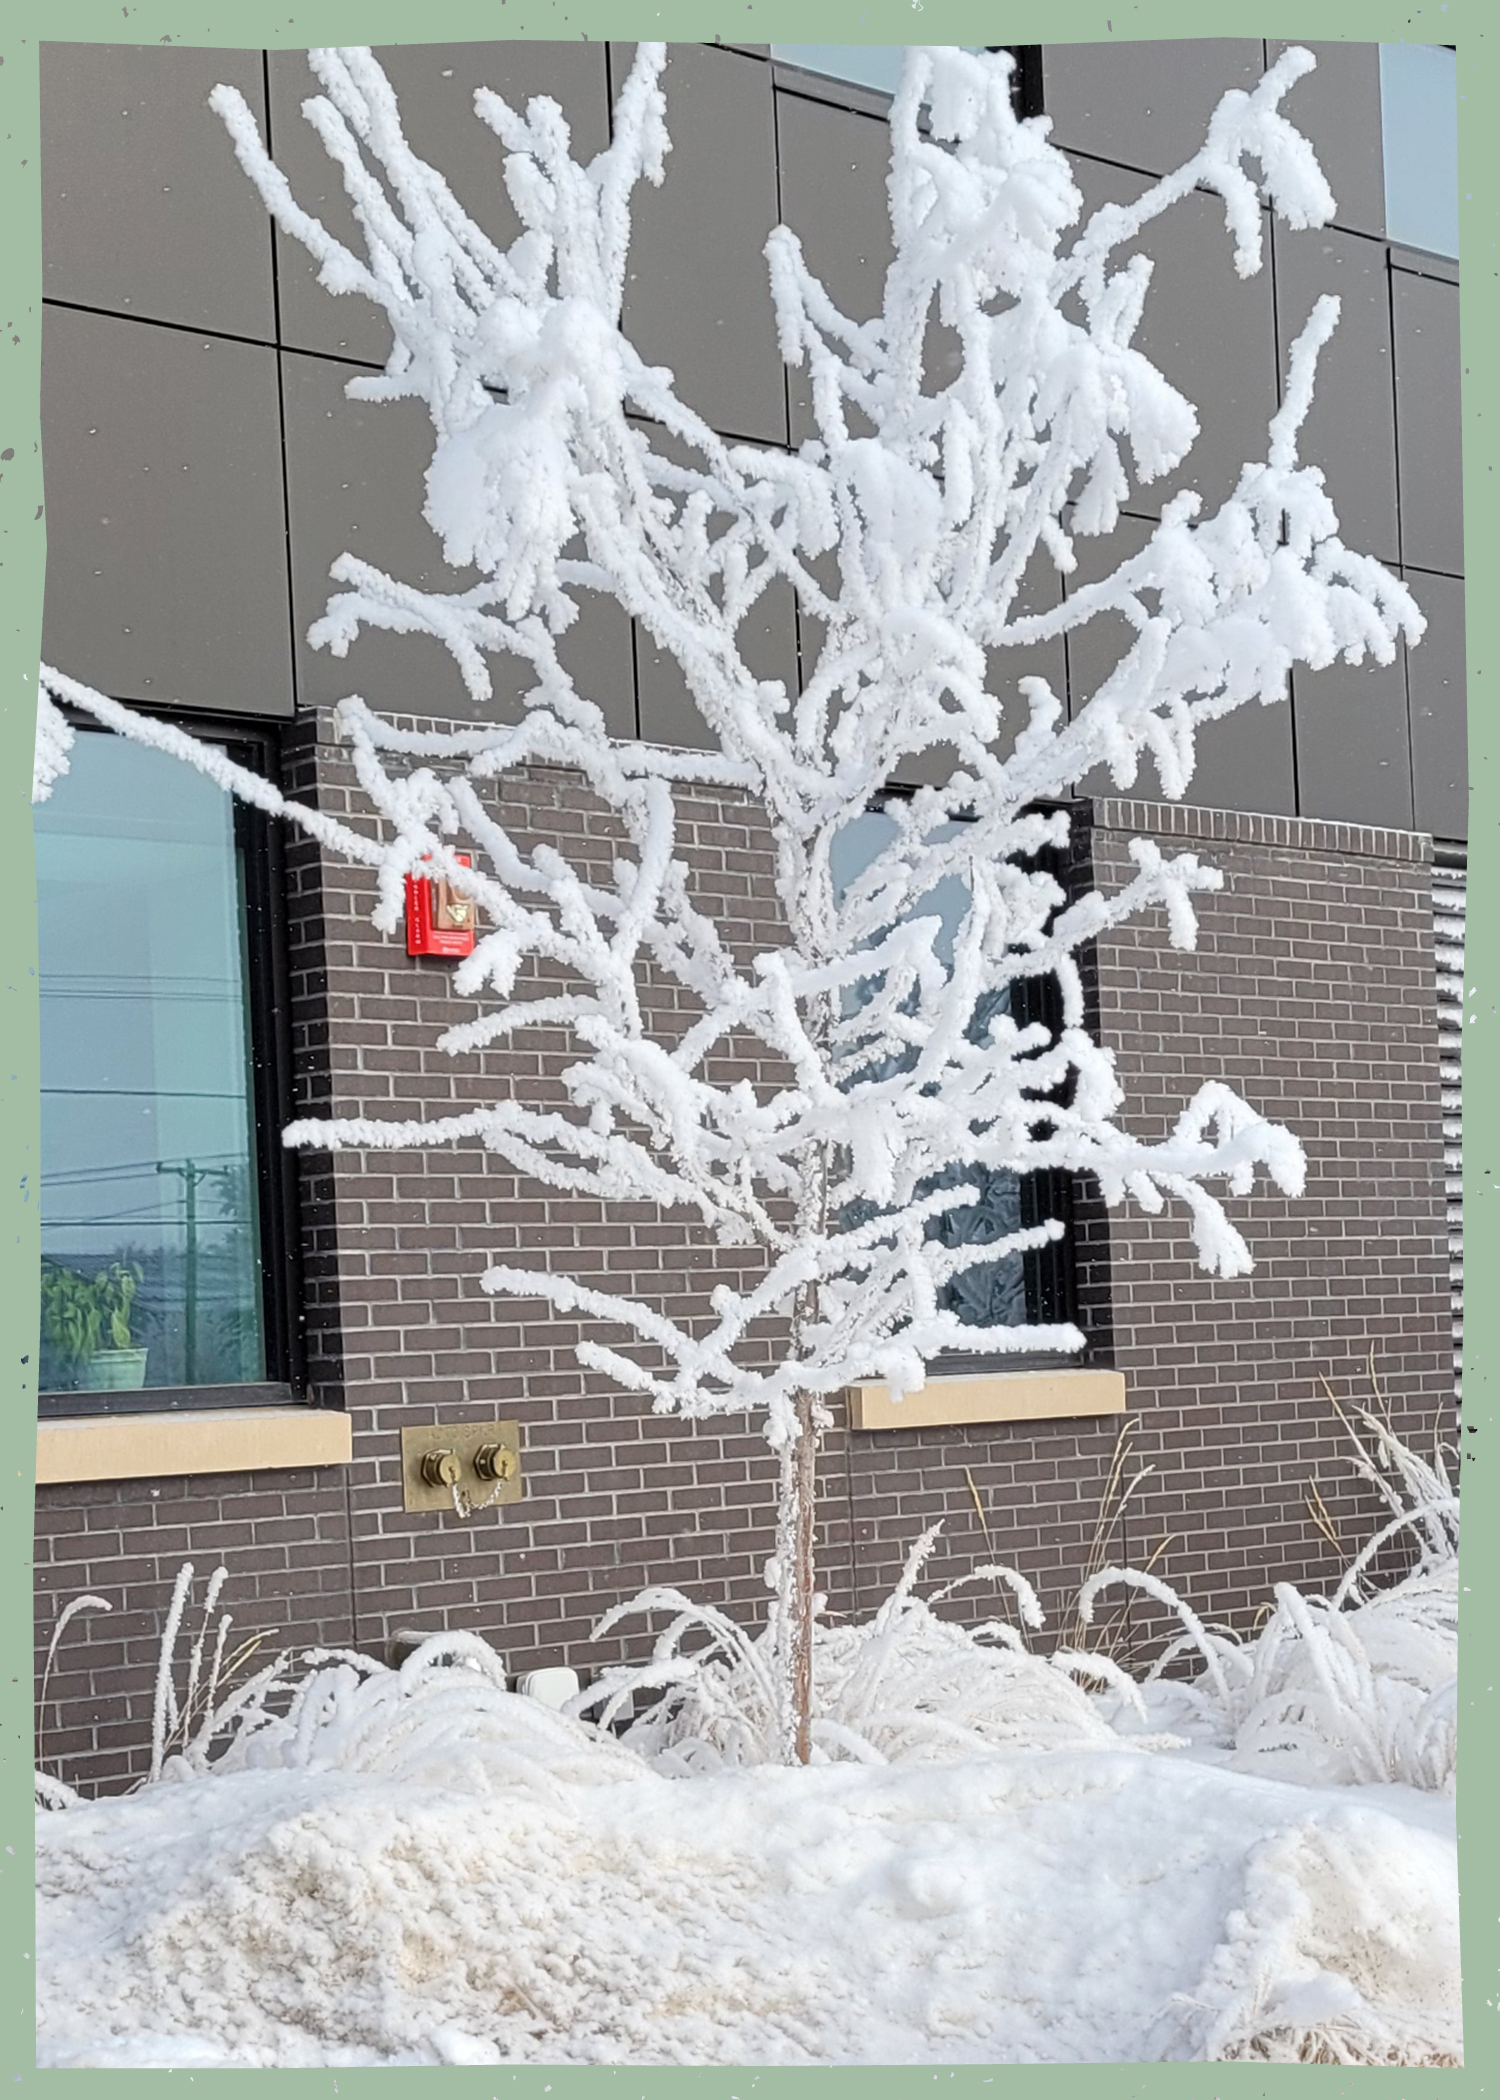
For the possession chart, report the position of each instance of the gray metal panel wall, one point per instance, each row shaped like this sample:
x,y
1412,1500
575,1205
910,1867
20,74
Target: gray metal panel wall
x,y
1436,689
166,568
1353,744
1143,105
1428,435
1350,429
144,208
697,298
833,169
669,714
1338,106
147,217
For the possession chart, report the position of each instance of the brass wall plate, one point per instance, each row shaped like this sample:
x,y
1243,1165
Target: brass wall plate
x,y
466,1440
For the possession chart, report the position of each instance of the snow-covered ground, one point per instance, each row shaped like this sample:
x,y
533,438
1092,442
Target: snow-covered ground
x,y
1050,1907
996,1857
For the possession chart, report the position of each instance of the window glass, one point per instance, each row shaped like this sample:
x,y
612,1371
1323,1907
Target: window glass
x,y
875,66
991,1294
865,65
150,1233
1419,136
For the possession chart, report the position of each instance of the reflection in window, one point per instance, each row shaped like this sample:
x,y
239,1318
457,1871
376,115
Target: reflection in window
x,y
1017,1289
875,66
1419,136
150,1232
865,65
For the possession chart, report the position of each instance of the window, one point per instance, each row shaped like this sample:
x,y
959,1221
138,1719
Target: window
x,y
875,66
1419,136
878,67
160,1195
1017,1289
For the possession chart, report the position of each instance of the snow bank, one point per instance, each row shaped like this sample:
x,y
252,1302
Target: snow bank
x,y
1051,1907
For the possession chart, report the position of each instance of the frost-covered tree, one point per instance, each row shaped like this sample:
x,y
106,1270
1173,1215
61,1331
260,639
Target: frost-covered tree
x,y
564,465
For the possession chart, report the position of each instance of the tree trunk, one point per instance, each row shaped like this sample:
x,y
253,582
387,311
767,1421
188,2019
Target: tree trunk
x,y
796,1525
797,1584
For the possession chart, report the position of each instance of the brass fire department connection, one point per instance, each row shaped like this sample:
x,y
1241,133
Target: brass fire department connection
x,y
441,1469
460,1468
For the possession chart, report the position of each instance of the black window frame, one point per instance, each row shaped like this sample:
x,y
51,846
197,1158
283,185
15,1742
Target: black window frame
x,y
255,744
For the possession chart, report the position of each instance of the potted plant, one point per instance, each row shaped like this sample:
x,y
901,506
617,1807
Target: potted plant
x,y
86,1323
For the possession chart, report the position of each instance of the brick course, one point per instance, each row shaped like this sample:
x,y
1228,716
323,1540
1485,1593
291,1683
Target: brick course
x,y
1311,992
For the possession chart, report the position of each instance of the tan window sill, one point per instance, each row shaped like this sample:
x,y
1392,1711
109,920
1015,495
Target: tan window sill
x,y
219,1440
994,1396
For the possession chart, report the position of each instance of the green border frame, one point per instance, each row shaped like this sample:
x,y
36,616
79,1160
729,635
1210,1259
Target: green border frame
x,y
22,554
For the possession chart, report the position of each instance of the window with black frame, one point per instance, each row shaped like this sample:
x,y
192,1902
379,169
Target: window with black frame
x,y
876,68
1030,1289
164,1273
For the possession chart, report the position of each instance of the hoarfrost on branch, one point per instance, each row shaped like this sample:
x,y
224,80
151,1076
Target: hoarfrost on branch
x,y
564,466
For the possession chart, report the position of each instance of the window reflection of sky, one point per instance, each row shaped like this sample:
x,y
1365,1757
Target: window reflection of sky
x,y
145,1057
876,66
1419,133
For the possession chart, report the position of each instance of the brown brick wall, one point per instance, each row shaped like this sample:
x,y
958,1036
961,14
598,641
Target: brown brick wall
x,y
1311,992
284,1537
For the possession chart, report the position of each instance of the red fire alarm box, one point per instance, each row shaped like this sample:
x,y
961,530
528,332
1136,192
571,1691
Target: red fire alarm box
x,y
439,920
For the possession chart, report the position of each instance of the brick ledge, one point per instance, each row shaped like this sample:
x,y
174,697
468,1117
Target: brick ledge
x,y
1185,820
170,1446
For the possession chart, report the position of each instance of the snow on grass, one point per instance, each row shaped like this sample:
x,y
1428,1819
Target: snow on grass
x,y
1347,1697
1353,1689
907,1685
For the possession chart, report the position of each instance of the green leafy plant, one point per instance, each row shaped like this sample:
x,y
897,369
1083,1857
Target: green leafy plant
x,y
83,1314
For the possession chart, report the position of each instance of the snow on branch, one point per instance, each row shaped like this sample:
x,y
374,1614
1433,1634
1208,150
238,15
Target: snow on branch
x,y
892,1074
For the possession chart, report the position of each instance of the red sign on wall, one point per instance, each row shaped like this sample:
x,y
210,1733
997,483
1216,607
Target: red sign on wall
x,y
439,920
